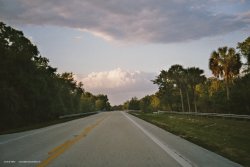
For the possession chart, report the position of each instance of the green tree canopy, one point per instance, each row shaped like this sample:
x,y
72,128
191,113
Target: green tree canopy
x,y
225,63
134,104
30,89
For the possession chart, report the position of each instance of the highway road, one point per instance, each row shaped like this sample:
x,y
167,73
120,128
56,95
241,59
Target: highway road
x,y
108,139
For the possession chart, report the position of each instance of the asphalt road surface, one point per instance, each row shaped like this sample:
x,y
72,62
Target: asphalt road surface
x,y
110,139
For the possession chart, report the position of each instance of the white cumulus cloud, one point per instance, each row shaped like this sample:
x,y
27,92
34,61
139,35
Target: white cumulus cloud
x,y
110,79
119,85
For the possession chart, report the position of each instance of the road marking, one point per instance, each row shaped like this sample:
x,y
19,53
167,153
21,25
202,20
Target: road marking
x,y
178,157
57,151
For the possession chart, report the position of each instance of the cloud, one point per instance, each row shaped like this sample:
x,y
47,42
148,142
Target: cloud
x,y
118,84
157,21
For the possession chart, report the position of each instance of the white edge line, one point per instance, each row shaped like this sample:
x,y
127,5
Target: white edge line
x,y
178,157
39,130
10,140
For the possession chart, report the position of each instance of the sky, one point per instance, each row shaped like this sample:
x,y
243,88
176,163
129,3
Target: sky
x,y
118,47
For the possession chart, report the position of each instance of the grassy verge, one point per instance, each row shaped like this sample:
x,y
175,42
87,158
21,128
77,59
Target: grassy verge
x,y
227,137
41,125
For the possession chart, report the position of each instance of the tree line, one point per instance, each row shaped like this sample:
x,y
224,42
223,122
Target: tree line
x,y
31,91
189,90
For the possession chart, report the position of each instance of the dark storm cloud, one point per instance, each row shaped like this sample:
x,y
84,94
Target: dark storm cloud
x,y
159,21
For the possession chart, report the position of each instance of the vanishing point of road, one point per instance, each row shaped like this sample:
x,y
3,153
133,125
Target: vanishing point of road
x,y
108,139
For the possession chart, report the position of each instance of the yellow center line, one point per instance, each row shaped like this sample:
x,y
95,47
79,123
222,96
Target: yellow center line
x,y
57,151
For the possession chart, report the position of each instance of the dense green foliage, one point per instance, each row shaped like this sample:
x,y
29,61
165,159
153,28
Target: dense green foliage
x,y
146,104
188,90
225,63
31,91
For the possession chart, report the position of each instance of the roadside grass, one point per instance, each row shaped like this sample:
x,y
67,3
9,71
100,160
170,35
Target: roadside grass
x,y
227,137
41,125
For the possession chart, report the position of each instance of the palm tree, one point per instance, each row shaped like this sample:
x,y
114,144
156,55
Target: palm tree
x,y
177,74
166,88
225,63
194,76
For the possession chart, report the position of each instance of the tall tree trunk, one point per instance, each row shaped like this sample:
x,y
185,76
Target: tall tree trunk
x,y
182,105
228,91
189,109
195,104
228,94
